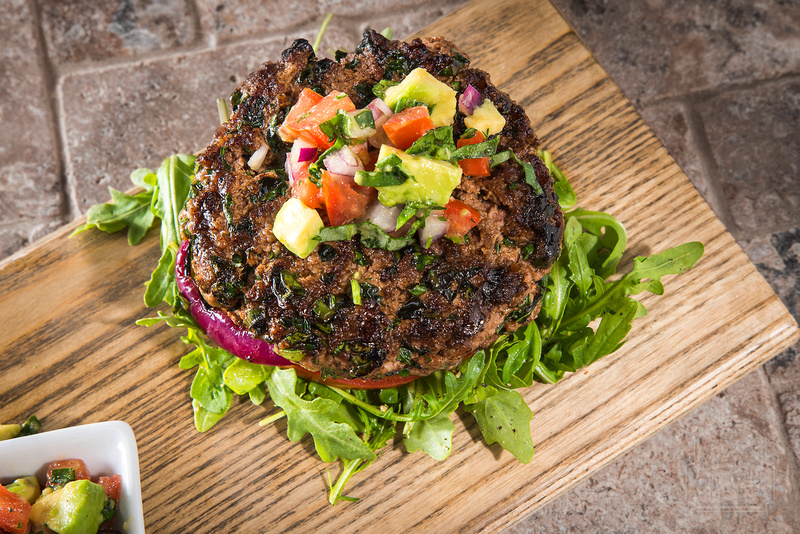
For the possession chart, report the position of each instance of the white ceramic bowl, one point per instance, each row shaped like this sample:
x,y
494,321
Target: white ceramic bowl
x,y
107,449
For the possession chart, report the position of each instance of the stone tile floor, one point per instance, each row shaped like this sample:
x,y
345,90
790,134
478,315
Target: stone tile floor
x,y
102,88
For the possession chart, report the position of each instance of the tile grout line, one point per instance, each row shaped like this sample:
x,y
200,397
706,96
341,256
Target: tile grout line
x,y
194,13
50,81
703,95
708,164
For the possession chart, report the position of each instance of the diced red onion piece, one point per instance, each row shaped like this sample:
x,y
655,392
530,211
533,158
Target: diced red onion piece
x,y
380,137
380,110
257,159
381,113
382,216
217,325
361,151
307,153
301,147
435,227
343,161
469,100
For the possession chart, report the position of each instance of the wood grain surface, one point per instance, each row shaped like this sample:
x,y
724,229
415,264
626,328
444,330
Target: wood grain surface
x,y
72,354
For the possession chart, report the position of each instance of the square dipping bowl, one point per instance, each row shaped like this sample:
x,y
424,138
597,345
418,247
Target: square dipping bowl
x,y
107,448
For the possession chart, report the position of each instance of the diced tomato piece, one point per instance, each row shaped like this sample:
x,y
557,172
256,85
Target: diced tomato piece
x,y
474,140
307,124
343,202
474,166
462,218
81,471
306,190
355,383
14,512
407,126
307,99
478,167
112,486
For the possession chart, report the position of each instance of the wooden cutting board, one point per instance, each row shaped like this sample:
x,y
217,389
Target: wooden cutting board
x,y
72,354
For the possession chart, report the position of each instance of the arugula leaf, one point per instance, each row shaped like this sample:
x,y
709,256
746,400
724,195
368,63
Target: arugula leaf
x,y
672,261
211,397
319,417
124,210
505,418
174,180
611,236
432,436
561,186
243,377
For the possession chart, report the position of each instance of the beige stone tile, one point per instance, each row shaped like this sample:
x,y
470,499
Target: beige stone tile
x,y
80,30
664,48
754,139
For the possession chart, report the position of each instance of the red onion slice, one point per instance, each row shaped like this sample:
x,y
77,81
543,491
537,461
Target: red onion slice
x,y
217,325
469,100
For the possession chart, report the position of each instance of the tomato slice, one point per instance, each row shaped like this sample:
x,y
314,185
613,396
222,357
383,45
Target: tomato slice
x,y
81,471
14,512
112,486
307,99
355,383
342,201
474,166
462,218
307,123
407,126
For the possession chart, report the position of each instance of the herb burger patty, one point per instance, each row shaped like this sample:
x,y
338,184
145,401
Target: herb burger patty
x,y
351,308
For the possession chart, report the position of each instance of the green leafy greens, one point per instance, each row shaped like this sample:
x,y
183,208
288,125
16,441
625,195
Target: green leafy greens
x,y
587,312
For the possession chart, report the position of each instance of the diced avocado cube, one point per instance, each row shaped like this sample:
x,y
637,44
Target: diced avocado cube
x,y
9,431
486,119
76,508
27,487
431,183
296,225
421,86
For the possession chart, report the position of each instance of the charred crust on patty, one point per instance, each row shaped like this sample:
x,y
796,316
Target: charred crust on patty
x,y
421,309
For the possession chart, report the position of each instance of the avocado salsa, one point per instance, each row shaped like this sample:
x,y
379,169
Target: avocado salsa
x,y
68,502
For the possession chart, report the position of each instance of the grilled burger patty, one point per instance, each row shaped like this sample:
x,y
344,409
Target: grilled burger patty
x,y
422,309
